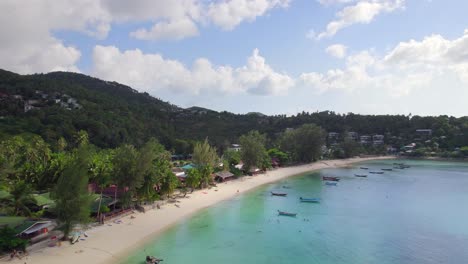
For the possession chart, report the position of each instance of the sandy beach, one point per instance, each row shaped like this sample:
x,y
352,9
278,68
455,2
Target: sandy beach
x,y
111,242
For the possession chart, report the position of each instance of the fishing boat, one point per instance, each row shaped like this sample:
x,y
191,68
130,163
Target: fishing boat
x,y
152,260
364,168
330,178
286,213
376,172
360,175
310,200
331,183
278,194
386,169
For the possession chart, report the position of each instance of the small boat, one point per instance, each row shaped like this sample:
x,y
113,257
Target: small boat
x,y
387,169
330,178
360,175
286,187
286,213
364,168
331,183
376,172
310,200
278,194
152,260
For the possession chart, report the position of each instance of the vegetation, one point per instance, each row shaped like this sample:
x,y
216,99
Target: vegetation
x,y
304,144
253,150
9,240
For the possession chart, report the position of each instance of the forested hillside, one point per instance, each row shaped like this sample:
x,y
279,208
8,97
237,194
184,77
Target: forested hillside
x,y
59,104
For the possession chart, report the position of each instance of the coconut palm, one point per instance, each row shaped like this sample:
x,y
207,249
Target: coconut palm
x,y
19,199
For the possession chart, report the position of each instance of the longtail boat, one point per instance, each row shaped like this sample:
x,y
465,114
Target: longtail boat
x,y
310,200
330,178
286,213
364,168
387,169
360,175
278,194
376,172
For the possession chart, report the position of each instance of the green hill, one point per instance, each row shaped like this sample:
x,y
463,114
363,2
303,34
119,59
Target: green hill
x,y
58,104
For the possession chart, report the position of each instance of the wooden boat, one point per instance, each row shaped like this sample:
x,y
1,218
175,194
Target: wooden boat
x,y
331,183
278,194
286,213
386,169
152,260
376,172
330,178
364,168
360,175
310,200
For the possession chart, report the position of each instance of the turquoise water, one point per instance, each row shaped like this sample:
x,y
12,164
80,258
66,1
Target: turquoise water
x,y
416,215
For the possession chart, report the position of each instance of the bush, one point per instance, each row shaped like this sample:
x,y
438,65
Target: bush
x,y
9,241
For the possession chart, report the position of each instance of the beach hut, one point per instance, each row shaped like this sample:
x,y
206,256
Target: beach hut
x,y
223,176
179,173
35,231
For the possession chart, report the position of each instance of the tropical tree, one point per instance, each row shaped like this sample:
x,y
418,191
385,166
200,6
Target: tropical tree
x,y
100,171
304,144
126,173
205,159
253,150
193,179
71,194
19,199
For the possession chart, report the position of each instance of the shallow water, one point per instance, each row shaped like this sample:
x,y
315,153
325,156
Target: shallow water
x,y
415,215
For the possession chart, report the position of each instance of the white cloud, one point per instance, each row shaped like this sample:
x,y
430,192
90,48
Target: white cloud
x,y
26,42
332,2
362,12
152,73
409,66
227,14
175,30
336,50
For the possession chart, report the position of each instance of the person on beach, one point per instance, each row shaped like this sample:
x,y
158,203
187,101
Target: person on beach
x,y
13,254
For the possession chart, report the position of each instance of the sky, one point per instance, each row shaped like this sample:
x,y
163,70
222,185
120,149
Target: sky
x,y
269,56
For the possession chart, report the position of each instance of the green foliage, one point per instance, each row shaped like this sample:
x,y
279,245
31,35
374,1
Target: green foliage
x,y
232,157
193,179
283,157
464,151
253,150
351,148
126,173
9,241
70,194
204,154
20,199
304,144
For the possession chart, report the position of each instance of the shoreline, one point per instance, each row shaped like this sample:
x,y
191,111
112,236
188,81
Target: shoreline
x,y
114,242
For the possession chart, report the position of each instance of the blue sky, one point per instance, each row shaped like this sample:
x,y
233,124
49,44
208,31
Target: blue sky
x,y
270,56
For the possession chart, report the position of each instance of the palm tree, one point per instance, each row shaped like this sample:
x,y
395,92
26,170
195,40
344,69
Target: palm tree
x,y
19,199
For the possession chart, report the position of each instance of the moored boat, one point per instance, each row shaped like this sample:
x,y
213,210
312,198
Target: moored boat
x,y
330,178
387,169
364,168
152,260
376,172
309,200
278,194
360,175
286,213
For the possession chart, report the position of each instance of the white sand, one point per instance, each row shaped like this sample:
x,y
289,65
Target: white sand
x,y
112,243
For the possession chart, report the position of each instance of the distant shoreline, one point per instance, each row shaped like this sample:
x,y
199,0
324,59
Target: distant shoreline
x,y
114,242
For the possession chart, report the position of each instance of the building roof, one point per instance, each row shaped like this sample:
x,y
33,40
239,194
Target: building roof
x,y
188,167
30,226
43,199
224,174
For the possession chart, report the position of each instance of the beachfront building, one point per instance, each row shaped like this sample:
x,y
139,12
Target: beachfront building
x,y
235,147
423,134
223,176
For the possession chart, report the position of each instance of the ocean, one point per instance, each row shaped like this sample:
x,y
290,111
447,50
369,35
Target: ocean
x,y
414,215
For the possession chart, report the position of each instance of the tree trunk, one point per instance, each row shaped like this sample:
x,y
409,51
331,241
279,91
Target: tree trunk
x,y
99,207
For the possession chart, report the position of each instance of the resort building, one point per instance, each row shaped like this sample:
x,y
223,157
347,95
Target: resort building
x,y
365,139
353,135
223,176
235,147
378,139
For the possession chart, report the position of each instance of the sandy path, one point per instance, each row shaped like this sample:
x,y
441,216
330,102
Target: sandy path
x,y
110,243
